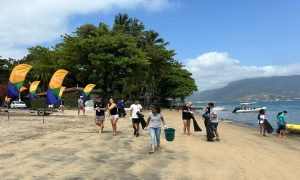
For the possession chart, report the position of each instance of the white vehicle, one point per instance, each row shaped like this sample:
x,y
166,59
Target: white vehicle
x,y
247,107
18,104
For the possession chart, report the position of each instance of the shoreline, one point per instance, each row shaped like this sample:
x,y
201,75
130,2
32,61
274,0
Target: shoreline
x,y
69,147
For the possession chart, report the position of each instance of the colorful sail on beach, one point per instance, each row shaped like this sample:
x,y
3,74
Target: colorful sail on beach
x,y
61,91
87,90
55,86
16,79
33,88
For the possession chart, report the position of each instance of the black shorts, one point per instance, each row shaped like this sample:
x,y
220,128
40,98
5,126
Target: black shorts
x,y
214,126
281,127
186,117
136,120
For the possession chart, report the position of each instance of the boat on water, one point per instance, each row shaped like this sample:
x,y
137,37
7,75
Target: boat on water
x,y
218,108
247,107
293,128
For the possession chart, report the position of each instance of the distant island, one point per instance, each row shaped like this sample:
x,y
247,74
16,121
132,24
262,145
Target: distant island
x,y
255,89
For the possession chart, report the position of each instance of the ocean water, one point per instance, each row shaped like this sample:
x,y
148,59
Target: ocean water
x,y
250,119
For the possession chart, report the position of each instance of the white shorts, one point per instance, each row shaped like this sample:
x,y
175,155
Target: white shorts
x,y
261,121
114,116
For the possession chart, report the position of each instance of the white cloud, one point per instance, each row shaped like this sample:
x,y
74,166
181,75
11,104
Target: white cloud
x,y
216,69
28,22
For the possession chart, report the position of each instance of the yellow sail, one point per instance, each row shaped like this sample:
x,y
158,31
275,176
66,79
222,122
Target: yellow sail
x,y
57,79
89,88
33,87
18,75
61,91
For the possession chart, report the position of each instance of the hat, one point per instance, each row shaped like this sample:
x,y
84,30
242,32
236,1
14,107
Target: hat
x,y
81,96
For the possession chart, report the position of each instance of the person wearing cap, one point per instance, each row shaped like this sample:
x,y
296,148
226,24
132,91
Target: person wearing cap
x,y
80,105
100,108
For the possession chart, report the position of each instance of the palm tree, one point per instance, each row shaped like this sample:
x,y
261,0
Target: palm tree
x,y
122,24
136,27
152,38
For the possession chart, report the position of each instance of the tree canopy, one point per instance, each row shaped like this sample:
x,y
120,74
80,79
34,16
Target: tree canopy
x,y
123,60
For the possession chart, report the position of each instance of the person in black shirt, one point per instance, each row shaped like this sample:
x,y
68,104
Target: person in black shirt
x,y
186,117
100,108
114,116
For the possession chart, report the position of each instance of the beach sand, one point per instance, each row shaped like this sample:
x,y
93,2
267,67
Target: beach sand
x,y
69,147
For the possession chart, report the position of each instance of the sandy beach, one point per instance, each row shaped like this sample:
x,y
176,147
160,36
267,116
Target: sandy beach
x,y
68,146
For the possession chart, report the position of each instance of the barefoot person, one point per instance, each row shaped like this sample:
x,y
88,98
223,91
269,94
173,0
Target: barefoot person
x,y
80,105
134,109
155,119
282,123
114,116
186,117
261,121
100,108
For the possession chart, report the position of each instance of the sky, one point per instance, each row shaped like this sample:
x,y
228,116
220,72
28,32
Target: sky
x,y
219,41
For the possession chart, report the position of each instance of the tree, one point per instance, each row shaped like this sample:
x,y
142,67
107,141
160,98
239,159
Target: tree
x,y
122,24
43,63
177,82
124,61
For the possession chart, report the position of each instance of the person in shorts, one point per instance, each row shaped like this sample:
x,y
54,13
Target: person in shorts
x,y
80,105
114,116
261,121
281,121
186,117
135,108
100,108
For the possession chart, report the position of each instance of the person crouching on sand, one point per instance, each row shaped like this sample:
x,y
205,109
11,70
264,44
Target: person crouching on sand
x,y
114,116
100,108
155,119
261,121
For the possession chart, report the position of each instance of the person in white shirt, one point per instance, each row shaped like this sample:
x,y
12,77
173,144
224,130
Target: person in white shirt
x,y
214,119
261,121
80,105
134,109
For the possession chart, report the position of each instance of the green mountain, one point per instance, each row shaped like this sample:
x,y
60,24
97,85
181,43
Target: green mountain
x,y
255,89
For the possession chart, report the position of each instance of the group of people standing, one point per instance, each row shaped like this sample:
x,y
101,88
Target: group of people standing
x,y
281,123
210,121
